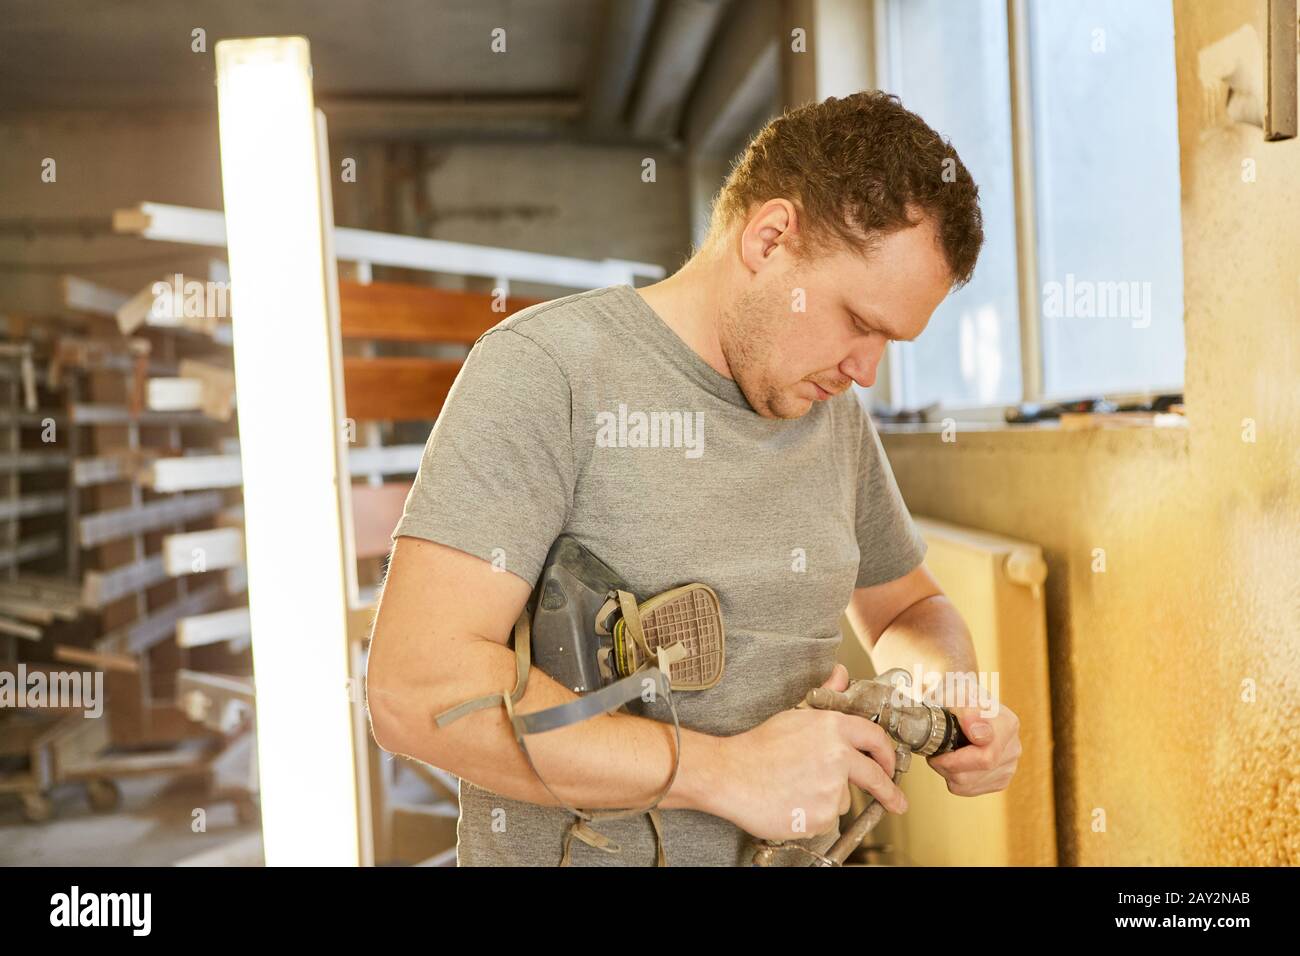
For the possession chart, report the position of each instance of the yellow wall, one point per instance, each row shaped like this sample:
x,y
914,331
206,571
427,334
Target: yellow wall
x,y
1200,598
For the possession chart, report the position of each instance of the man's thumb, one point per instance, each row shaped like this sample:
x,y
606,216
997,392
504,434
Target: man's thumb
x,y
977,730
839,679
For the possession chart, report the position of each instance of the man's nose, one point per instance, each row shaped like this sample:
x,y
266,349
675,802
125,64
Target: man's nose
x,y
862,362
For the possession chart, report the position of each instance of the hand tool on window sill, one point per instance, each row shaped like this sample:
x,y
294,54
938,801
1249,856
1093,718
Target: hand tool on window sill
x,y
1027,412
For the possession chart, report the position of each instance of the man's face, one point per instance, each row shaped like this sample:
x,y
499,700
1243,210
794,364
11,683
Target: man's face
x,y
784,360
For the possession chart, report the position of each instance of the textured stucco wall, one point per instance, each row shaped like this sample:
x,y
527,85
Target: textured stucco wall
x,y
1153,660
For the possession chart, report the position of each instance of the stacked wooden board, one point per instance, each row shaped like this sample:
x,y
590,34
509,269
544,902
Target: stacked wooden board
x,y
146,426
154,541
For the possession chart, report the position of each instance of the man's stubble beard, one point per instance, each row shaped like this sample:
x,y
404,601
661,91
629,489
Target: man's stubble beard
x,y
748,344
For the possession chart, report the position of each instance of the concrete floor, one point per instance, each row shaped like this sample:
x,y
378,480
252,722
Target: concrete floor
x,y
152,826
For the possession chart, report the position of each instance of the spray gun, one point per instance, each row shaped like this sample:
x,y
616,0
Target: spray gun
x,y
915,727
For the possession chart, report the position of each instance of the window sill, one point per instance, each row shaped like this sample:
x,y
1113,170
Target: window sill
x,y
1047,438
1099,423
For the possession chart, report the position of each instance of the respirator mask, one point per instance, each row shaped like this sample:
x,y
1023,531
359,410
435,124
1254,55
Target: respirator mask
x,y
585,629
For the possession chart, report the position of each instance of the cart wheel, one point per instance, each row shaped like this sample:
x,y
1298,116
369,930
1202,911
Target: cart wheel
x,y
37,807
104,794
247,811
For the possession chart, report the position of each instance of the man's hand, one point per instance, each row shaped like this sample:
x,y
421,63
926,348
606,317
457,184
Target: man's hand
x,y
788,777
839,681
988,763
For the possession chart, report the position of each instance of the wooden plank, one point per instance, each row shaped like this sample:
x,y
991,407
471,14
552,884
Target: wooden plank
x,y
231,516
50,582
104,468
18,629
30,549
81,295
236,581
37,419
123,465
375,511
200,629
27,610
104,587
134,312
79,745
173,395
177,761
17,598
101,355
38,504
396,389
385,459
90,414
42,588
196,472
140,310
33,461
20,730
195,552
120,522
107,662
412,313
101,470
147,631
158,309
219,701
217,394
193,472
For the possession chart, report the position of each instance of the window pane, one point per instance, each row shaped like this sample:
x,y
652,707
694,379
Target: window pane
x,y
1106,175
948,63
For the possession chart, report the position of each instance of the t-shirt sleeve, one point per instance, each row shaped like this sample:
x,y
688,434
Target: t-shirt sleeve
x,y
889,541
497,474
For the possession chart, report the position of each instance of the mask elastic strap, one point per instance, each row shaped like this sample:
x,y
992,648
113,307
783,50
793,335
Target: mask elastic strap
x,y
523,663
590,705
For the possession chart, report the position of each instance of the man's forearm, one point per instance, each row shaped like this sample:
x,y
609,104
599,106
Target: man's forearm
x,y
929,640
609,761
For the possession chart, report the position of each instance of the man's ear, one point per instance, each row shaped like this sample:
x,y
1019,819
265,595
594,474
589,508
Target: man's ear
x,y
769,234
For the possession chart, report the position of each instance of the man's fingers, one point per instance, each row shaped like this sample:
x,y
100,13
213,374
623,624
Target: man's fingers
x,y
977,728
839,679
970,758
846,800
871,777
862,735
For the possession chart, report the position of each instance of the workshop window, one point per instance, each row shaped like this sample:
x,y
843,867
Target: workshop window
x,y
1097,108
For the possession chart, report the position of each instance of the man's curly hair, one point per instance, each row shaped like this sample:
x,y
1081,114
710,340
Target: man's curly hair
x,y
853,166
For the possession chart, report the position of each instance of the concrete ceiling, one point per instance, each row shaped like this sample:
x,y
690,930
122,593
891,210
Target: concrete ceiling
x,y
137,53
614,70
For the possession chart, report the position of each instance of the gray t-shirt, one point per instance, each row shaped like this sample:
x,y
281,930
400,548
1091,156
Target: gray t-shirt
x,y
550,428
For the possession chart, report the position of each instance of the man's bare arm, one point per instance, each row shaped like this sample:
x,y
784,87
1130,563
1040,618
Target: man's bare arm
x,y
909,623
440,639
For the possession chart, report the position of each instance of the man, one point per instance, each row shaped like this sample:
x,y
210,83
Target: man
x,y
842,227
